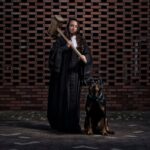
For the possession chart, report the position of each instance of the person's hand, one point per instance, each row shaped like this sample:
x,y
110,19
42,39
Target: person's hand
x,y
69,43
83,58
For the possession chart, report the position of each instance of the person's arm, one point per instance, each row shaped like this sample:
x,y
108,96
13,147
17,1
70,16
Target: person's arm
x,y
86,68
87,53
55,54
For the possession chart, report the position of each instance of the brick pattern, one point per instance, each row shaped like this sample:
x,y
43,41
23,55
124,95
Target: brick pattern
x,y
117,32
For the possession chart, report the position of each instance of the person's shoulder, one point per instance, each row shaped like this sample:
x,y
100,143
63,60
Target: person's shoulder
x,y
84,41
60,39
81,36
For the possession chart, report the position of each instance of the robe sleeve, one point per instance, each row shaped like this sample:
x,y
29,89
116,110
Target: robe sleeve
x,y
87,68
55,55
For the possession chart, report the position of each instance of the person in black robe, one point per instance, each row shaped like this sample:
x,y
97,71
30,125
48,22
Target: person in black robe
x,y
67,73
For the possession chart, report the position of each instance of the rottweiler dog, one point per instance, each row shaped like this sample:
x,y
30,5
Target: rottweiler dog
x,y
96,121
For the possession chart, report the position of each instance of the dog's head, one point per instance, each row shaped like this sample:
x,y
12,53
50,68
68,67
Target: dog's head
x,y
95,87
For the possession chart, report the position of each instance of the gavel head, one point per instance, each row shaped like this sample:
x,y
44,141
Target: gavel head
x,y
56,22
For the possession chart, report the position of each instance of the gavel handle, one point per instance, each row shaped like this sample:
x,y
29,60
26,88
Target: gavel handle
x,y
66,39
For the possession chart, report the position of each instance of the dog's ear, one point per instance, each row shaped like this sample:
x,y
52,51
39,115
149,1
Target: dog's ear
x,y
86,82
90,81
100,82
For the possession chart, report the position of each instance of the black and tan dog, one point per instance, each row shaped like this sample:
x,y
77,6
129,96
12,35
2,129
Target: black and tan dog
x,y
96,121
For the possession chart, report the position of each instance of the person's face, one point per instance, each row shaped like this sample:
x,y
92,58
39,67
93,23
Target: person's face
x,y
73,27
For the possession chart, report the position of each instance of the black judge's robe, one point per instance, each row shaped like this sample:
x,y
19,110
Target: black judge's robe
x,y
67,73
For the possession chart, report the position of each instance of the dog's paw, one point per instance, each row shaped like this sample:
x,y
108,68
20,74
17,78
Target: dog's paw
x,y
88,131
104,133
110,132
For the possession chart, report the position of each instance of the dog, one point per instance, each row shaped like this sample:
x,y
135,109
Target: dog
x,y
95,120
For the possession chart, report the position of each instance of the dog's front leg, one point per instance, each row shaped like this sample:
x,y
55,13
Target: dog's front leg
x,y
90,131
109,131
88,123
102,127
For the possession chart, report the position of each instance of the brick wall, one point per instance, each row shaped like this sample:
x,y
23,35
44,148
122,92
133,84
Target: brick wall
x,y
117,32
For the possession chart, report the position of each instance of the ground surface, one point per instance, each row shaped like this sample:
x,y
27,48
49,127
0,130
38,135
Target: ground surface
x,y
30,131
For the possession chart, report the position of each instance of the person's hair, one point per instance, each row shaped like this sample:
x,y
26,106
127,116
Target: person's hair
x,y
67,32
80,40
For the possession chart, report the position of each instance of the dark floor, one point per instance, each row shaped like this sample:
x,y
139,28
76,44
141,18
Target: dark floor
x,y
30,130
